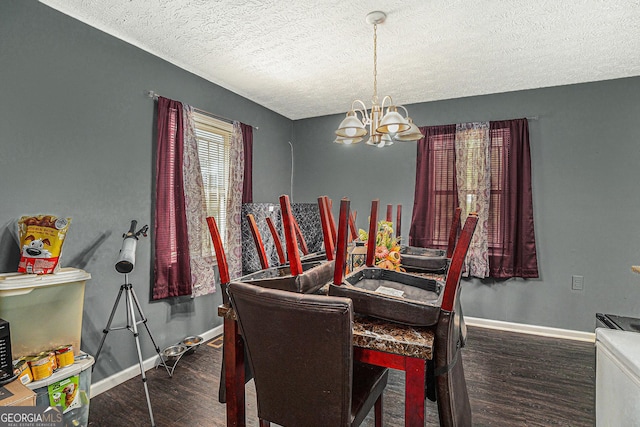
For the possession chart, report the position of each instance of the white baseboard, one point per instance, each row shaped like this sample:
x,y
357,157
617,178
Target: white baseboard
x,y
523,328
133,371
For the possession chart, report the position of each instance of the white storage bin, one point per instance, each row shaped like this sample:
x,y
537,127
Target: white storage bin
x,y
43,311
78,414
617,378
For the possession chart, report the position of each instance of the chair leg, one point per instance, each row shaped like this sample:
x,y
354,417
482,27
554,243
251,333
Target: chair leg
x,y
264,423
378,411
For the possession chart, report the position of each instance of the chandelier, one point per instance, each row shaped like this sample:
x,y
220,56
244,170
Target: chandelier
x,y
385,126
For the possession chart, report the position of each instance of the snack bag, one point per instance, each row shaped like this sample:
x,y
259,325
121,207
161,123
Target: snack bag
x,y
41,239
64,393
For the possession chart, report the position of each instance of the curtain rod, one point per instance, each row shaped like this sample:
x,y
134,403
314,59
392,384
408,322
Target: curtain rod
x,y
153,95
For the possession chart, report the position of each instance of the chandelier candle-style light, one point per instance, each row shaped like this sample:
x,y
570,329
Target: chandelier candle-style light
x,y
385,127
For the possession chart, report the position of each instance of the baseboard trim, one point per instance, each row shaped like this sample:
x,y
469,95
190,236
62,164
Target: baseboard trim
x,y
523,328
133,371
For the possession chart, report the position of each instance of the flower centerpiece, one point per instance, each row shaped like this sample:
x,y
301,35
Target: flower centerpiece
x,y
387,250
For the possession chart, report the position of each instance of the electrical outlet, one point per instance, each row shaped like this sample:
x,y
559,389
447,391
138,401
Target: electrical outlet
x,y
577,283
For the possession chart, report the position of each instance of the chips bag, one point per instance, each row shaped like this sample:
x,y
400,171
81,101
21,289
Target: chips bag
x,y
41,239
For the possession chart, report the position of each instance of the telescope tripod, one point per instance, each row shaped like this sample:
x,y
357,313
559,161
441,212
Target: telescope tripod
x,y
132,303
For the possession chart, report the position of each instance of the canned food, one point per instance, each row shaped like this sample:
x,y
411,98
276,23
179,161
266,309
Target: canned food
x,y
64,356
41,367
22,370
51,354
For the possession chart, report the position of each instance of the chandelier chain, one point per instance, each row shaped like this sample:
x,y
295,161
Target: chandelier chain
x,y
375,63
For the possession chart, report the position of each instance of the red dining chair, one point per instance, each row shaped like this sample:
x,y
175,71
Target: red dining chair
x,y
445,380
301,352
389,218
453,232
352,225
329,213
257,240
302,275
326,228
373,232
291,242
276,241
230,328
299,237
399,221
342,236
454,408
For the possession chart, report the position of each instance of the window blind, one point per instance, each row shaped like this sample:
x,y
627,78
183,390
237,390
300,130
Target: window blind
x,y
214,138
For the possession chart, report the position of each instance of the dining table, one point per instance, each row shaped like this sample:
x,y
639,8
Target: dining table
x,y
375,341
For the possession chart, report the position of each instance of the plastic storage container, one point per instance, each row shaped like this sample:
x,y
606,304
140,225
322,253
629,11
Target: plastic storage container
x,y
43,311
617,378
56,389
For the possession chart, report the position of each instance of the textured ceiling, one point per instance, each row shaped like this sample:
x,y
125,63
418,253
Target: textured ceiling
x,y
307,58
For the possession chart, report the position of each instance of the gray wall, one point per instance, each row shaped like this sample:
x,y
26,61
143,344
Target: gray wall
x,y
77,139
585,158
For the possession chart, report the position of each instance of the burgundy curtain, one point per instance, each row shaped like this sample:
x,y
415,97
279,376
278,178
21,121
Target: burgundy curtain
x,y
247,184
512,246
436,195
515,253
171,265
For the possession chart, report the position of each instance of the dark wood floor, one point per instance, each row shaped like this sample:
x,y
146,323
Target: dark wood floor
x,y
513,380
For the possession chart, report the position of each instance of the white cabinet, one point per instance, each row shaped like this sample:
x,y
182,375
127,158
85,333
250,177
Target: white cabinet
x,y
617,378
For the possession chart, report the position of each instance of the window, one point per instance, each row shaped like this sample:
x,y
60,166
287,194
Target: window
x,y
499,146
445,192
445,188
214,139
510,227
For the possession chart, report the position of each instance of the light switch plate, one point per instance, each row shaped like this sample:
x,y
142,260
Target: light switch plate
x,y
577,283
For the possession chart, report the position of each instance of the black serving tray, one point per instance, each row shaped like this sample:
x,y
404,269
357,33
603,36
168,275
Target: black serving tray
x,y
424,259
314,256
315,274
417,302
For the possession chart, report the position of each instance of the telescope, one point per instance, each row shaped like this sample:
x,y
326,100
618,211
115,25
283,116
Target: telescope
x,y
127,259
126,262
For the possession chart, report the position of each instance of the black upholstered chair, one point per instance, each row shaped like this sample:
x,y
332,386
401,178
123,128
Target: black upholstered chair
x,y
300,350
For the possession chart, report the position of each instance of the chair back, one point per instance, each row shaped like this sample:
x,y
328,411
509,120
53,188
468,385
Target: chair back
x,y
332,221
373,233
291,242
221,258
453,232
457,261
454,408
352,226
257,239
276,240
341,249
326,228
399,221
301,241
300,351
